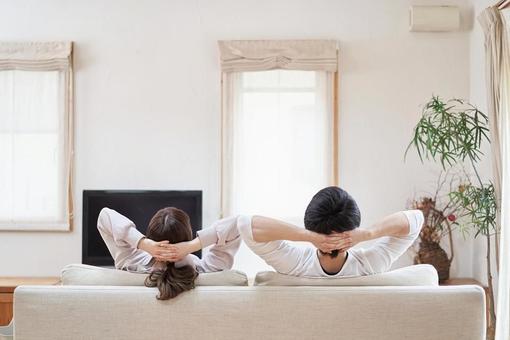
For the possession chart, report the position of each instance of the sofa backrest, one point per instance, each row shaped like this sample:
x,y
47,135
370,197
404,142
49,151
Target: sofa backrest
x,y
417,275
85,275
383,313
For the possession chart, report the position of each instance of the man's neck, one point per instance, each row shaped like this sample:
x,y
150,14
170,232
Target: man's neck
x,y
331,265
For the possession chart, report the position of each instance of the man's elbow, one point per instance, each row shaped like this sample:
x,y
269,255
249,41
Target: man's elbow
x,y
415,222
420,220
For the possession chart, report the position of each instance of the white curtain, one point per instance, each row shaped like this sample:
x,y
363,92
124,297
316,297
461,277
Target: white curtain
x,y
36,136
503,301
498,99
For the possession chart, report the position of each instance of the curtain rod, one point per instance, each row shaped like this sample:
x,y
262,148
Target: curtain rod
x,y
502,4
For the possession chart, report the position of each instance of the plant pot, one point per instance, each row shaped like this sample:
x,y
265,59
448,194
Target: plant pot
x,y
432,253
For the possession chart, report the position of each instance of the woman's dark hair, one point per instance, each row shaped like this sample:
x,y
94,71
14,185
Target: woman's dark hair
x,y
171,224
332,210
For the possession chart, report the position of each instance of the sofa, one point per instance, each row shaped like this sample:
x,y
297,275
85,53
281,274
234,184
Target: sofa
x,y
275,307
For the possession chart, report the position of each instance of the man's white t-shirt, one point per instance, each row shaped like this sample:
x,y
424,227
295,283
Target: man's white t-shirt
x,y
289,259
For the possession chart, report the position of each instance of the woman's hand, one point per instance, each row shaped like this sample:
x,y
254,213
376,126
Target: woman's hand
x,y
180,250
169,252
159,250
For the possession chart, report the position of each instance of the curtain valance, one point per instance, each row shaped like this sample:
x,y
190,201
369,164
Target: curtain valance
x,y
260,55
33,56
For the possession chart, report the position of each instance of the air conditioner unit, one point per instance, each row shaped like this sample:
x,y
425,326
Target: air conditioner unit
x,y
434,18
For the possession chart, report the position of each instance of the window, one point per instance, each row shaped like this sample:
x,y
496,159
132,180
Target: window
x,y
35,148
281,135
279,129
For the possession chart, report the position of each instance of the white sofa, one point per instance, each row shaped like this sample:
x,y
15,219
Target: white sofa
x,y
251,312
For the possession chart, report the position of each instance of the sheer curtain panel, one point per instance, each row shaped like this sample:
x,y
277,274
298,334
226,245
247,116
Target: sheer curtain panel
x,y
497,69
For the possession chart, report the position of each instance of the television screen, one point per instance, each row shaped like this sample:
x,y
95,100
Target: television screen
x,y
139,206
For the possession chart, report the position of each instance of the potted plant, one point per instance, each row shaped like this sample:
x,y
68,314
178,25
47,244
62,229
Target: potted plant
x,y
441,212
452,132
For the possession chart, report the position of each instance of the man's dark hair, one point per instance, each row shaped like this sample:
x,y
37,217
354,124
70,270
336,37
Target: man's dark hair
x,y
332,210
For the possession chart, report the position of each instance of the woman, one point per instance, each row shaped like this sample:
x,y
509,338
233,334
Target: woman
x,y
156,254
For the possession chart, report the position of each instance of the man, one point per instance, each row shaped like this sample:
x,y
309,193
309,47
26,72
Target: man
x,y
332,212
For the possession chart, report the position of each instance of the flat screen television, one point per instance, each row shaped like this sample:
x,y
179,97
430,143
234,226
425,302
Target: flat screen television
x,y
137,205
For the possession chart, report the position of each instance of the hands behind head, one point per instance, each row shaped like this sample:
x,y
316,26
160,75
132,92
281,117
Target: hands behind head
x,y
339,241
328,243
164,251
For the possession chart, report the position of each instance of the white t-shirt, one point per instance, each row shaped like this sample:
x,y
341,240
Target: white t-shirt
x,y
289,259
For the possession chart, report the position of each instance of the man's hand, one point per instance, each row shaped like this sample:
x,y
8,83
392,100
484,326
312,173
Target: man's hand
x,y
328,243
355,236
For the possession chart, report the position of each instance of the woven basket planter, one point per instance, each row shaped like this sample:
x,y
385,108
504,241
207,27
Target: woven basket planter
x,y
432,253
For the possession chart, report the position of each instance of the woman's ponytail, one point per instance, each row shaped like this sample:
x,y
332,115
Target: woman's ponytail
x,y
173,225
172,281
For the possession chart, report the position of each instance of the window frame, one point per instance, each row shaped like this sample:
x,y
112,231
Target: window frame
x,y
48,56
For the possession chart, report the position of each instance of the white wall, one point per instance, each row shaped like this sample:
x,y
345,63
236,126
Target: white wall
x,y
147,97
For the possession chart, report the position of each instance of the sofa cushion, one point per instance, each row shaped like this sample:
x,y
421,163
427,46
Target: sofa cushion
x,y
85,275
418,275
